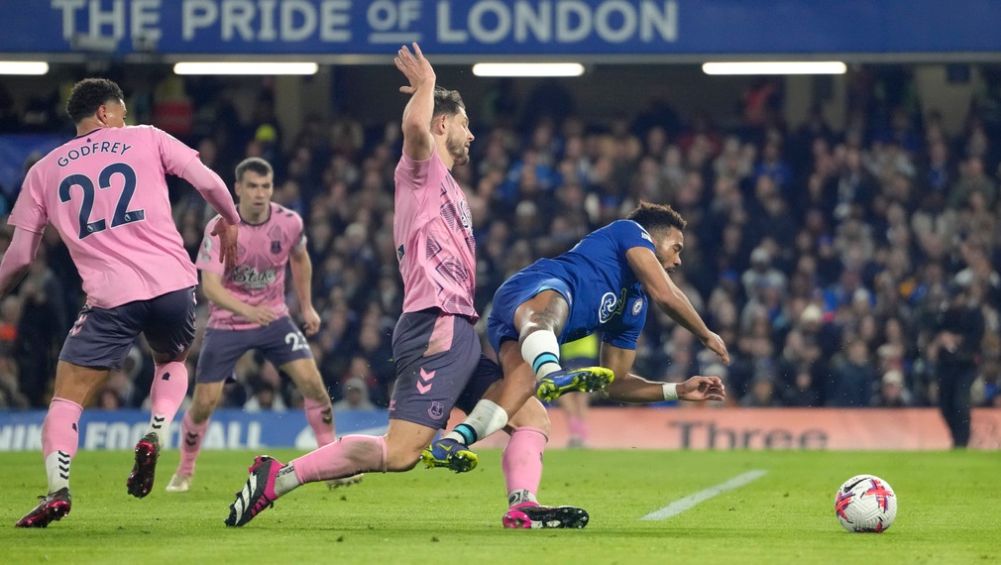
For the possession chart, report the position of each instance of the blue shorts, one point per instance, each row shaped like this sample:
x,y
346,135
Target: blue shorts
x,y
280,341
516,291
102,337
439,365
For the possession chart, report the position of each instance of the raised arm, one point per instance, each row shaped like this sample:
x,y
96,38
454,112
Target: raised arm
x,y
418,143
628,387
20,253
669,298
302,279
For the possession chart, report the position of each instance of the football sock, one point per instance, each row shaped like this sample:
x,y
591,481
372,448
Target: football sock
x,y
578,428
345,457
192,435
320,416
541,350
60,437
170,385
486,418
522,464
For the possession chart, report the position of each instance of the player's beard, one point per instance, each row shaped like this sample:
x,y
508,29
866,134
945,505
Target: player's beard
x,y
458,150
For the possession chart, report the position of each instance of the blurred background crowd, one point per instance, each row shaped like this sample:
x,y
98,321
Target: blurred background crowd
x,y
843,267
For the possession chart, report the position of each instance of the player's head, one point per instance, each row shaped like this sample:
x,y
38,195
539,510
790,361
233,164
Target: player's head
x,y
255,181
450,123
666,227
97,98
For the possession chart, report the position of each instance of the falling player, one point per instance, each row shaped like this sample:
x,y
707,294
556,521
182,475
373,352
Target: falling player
x,y
439,363
603,284
104,192
248,311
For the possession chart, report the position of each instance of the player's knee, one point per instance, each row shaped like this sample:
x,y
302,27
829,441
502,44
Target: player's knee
x,y
164,358
532,415
538,322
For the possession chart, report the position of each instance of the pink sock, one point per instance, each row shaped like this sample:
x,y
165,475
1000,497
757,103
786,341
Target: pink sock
x,y
522,462
60,437
320,416
345,457
192,435
170,385
578,429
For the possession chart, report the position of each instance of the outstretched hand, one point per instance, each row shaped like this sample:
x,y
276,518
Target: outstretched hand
x,y
715,343
702,388
415,67
227,233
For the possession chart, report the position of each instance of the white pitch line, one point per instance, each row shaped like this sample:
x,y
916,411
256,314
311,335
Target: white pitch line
x,y
688,502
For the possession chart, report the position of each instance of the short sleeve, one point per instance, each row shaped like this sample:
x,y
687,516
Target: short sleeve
x,y
629,234
174,155
208,252
29,211
297,232
413,174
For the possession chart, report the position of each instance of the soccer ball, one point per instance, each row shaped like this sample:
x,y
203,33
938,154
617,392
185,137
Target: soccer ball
x,y
865,503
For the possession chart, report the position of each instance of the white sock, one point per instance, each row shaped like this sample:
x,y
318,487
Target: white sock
x,y
541,350
486,418
520,496
156,426
57,469
286,480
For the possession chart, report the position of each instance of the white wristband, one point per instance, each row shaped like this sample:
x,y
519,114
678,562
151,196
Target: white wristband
x,y
670,391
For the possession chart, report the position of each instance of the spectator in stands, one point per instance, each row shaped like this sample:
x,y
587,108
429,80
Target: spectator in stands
x,y
354,396
892,392
865,224
852,377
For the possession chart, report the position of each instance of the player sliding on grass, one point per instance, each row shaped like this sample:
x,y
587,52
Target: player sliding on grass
x,y
439,363
105,193
248,311
603,284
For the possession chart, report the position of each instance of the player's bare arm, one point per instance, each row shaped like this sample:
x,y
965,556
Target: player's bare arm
x,y
302,277
214,190
417,140
20,253
214,290
629,387
671,299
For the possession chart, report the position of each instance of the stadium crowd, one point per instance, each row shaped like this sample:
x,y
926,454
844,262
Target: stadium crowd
x,y
839,266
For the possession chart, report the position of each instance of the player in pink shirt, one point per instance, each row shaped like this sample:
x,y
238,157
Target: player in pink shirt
x,y
439,361
104,192
248,311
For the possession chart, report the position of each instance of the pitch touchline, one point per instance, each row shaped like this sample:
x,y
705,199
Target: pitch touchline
x,y
686,503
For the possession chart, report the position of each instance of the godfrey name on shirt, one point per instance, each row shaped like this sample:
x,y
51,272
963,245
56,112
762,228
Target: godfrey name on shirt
x,y
93,149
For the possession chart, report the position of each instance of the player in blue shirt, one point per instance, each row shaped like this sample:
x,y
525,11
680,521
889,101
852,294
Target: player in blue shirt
x,y
604,284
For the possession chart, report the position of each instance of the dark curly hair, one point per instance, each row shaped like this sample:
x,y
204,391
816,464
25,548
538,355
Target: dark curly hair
x,y
657,217
88,95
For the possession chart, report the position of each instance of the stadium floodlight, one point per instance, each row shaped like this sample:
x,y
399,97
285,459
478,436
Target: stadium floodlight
x,y
23,67
528,69
245,68
775,68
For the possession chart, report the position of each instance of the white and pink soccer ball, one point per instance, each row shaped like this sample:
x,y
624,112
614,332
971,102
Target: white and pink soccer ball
x,y
865,503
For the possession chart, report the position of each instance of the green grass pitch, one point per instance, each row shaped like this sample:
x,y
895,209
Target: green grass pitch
x,y
948,512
